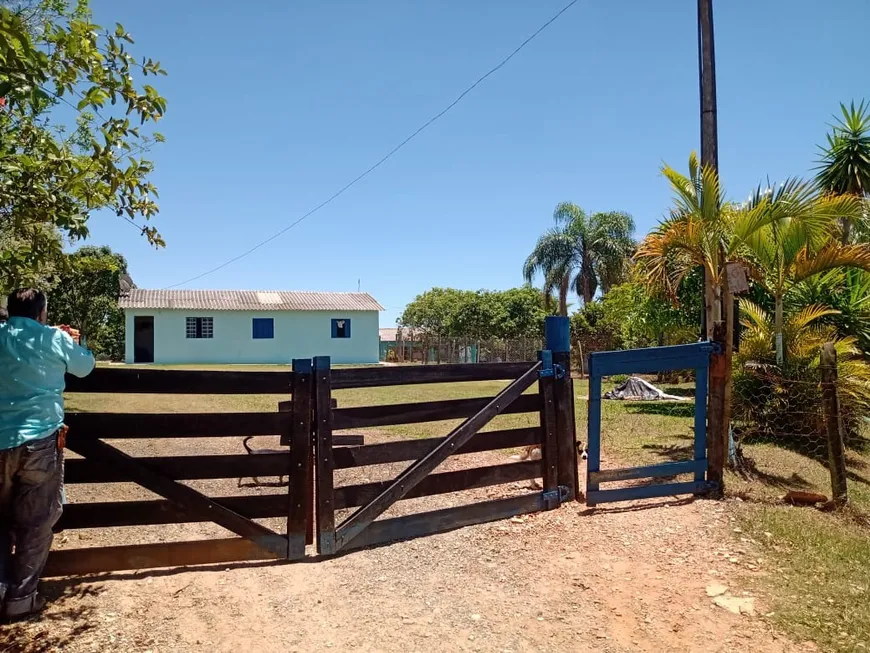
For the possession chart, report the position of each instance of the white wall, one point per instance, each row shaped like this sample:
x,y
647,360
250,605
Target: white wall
x,y
298,334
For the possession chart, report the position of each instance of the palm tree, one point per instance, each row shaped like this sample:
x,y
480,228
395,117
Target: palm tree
x,y
787,236
844,168
582,253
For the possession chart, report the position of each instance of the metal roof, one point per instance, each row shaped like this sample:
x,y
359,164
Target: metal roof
x,y
249,300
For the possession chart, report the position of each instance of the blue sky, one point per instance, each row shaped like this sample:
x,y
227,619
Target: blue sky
x,y
275,105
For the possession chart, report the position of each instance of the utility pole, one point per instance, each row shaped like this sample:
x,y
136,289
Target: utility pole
x,y
707,75
718,404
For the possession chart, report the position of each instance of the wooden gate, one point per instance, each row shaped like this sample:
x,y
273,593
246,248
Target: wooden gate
x,y
554,433
102,463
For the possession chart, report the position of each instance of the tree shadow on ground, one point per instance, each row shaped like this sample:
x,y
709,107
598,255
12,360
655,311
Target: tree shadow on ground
x,y
665,408
58,628
678,391
672,452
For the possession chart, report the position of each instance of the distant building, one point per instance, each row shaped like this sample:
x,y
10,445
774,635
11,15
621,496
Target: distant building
x,y
240,326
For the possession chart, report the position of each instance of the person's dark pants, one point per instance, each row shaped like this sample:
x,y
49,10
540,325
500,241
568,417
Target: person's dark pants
x,y
31,478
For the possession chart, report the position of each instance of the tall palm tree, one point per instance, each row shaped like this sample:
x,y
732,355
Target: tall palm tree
x,y
793,239
582,252
844,168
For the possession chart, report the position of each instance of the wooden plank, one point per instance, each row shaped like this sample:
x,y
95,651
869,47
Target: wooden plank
x,y
565,427
300,449
325,463
438,521
646,492
182,495
105,426
368,377
350,496
550,448
424,411
650,471
70,562
207,382
161,511
358,521
400,450
177,467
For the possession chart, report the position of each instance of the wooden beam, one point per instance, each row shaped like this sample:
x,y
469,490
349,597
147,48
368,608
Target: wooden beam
x,y
368,377
424,411
105,426
438,521
400,450
206,382
184,496
176,467
325,463
300,450
415,473
72,562
350,496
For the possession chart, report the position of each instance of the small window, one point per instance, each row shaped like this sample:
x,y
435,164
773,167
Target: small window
x,y
341,328
200,327
264,328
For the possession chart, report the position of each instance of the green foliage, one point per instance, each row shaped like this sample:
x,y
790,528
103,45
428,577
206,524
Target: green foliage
x,y
582,252
447,312
846,290
71,130
86,298
844,168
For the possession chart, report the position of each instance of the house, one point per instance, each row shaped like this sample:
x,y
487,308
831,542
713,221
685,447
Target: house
x,y
240,326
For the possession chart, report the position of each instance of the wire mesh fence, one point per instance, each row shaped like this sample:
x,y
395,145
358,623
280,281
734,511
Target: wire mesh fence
x,y
435,350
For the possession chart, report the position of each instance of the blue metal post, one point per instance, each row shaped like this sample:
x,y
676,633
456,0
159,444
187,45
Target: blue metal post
x,y
556,334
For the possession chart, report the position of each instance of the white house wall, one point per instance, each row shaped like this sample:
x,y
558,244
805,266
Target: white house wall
x,y
298,334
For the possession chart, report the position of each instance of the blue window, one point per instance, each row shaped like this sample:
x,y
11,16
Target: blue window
x,y
264,327
341,328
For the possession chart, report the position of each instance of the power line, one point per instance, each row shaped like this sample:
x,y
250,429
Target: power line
x,y
383,159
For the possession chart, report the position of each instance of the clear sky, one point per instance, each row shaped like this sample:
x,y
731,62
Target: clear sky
x,y
275,105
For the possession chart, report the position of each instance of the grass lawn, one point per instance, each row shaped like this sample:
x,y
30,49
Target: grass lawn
x,y
820,587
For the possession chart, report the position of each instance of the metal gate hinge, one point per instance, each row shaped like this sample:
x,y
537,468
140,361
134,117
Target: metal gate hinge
x,y
554,498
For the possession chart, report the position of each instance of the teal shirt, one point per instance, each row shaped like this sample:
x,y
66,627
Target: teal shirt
x,y
33,361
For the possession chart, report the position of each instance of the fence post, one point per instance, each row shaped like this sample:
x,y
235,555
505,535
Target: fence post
x,y
300,466
833,425
558,340
717,430
325,463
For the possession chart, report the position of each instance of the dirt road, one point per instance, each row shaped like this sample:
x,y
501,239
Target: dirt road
x,y
617,579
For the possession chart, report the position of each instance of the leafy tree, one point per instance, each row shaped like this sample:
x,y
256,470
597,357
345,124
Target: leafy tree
x,y
582,253
847,291
844,168
86,298
72,129
447,312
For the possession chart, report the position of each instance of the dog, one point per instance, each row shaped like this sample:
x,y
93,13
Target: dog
x,y
252,452
533,452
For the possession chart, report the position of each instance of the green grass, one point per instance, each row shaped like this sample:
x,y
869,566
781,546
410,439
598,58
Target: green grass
x,y
820,587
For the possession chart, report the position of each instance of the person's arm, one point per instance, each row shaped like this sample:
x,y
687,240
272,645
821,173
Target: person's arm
x,y
79,361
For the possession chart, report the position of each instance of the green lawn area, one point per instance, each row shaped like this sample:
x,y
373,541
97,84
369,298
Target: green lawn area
x,y
819,587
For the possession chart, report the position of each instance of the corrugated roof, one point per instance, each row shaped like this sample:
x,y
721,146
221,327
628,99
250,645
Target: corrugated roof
x,y
389,334
249,300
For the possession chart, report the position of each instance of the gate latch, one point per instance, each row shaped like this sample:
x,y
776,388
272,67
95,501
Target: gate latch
x,y
548,368
554,498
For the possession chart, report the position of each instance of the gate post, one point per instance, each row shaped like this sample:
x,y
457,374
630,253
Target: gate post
x,y
558,340
300,460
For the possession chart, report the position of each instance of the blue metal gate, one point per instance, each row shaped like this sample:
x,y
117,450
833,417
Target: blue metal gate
x,y
645,361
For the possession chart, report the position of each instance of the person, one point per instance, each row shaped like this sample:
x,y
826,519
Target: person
x,y
33,361
3,314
